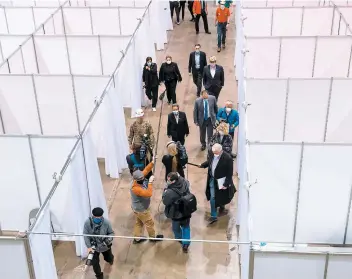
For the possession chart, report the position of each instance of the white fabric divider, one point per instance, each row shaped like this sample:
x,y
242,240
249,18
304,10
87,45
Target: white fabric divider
x,y
24,26
106,21
14,188
298,57
157,13
3,24
83,26
339,267
111,50
9,44
41,247
283,3
273,199
14,263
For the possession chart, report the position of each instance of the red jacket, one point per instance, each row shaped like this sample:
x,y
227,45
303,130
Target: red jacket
x,y
197,7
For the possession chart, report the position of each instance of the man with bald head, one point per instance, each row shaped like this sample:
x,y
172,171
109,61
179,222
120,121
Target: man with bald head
x,y
230,116
213,78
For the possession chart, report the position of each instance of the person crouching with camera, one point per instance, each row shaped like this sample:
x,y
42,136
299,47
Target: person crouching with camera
x,y
179,203
98,225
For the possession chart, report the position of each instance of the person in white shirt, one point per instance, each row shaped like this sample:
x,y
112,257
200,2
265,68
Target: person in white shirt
x,y
213,78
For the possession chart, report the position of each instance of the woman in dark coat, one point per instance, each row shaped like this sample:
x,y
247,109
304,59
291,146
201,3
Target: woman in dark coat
x,y
222,137
151,82
219,195
172,161
169,74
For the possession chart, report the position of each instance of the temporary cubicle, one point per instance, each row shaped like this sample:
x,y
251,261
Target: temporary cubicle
x,y
295,146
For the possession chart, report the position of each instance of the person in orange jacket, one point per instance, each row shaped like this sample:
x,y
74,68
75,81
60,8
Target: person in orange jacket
x,y
200,9
141,193
222,20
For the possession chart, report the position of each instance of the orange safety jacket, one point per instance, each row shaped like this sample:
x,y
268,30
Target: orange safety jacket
x,y
197,7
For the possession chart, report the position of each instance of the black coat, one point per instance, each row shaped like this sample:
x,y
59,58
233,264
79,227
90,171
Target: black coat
x,y
218,79
192,61
167,161
169,72
180,129
224,168
150,77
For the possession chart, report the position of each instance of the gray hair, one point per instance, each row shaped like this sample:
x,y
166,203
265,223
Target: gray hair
x,y
216,147
228,102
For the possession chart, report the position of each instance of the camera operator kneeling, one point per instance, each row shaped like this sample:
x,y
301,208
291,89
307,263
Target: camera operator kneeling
x,y
179,206
97,225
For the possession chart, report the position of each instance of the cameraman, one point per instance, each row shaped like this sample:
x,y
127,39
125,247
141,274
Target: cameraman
x,y
97,225
229,116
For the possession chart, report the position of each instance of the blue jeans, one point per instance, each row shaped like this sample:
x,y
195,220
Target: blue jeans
x,y
182,230
213,211
221,30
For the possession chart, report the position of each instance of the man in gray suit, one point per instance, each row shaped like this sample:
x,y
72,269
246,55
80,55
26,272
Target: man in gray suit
x,y
204,114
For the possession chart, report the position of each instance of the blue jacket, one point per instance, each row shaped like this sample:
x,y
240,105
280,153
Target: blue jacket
x,y
232,119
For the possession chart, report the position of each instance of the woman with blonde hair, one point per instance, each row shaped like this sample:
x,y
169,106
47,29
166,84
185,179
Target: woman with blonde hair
x,y
173,161
222,137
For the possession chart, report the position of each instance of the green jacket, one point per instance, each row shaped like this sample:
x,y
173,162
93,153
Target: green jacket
x,y
227,3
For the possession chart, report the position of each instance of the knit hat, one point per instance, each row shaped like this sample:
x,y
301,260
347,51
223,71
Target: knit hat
x,y
97,212
138,175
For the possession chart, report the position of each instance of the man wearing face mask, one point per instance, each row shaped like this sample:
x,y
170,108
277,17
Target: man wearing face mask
x,y
151,82
170,74
222,20
204,115
220,188
213,78
197,62
98,225
177,125
230,116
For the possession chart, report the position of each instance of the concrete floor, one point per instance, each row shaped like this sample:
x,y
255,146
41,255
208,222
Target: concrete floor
x,y
165,259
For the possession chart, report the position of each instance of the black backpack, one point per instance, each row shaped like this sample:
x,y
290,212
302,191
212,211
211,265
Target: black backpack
x,y
187,204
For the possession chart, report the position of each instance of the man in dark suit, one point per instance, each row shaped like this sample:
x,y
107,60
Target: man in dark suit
x,y
204,115
177,125
220,188
196,64
213,78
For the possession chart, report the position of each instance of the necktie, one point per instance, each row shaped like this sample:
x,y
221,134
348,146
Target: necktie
x,y
206,110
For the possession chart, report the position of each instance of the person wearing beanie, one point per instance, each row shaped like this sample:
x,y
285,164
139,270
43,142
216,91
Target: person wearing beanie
x,y
141,193
98,225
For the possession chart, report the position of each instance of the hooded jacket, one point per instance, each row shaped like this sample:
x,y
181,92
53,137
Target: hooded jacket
x,y
171,196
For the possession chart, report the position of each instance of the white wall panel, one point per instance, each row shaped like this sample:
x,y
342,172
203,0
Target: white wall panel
x,y
337,24
30,63
326,223
52,55
317,21
56,105
16,63
111,48
106,21
83,26
84,55
129,19
265,96
41,15
3,25
18,107
306,110
296,57
23,26
330,62
10,43
273,198
340,112
19,192
267,52
13,262
59,24
258,22
346,12
288,266
286,22
339,267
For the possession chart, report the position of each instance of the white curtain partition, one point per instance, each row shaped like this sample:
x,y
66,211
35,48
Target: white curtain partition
x,y
315,110
294,21
301,57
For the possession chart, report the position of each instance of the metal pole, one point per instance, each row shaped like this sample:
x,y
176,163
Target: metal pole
x,y
338,30
119,16
43,29
326,265
279,62
35,54
332,21
272,21
328,110
348,216
37,105
34,170
29,258
251,264
286,105
52,19
34,23
68,52
91,19
1,52
24,66
349,63
76,104
8,65
297,195
86,173
7,23
101,56
302,17
315,54
2,123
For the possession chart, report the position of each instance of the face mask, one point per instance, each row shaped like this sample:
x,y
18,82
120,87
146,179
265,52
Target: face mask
x,y
222,7
168,61
228,109
169,182
97,220
197,50
221,133
149,63
175,112
212,64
